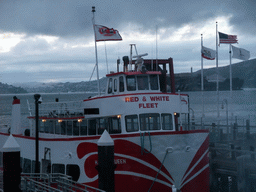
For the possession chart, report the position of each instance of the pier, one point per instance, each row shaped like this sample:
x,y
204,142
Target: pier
x,y
232,156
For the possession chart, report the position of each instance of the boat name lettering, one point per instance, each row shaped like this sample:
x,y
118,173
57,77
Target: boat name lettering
x,y
131,99
117,161
148,105
159,98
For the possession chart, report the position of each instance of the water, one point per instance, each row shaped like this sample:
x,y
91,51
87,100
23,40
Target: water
x,y
242,106
6,103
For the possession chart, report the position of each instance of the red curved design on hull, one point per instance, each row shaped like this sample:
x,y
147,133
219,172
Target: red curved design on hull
x,y
136,171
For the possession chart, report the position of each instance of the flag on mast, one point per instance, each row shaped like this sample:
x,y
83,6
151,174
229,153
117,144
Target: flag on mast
x,y
208,53
227,39
103,33
240,53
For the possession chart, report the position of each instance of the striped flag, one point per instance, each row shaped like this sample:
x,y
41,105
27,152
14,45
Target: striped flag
x,y
228,39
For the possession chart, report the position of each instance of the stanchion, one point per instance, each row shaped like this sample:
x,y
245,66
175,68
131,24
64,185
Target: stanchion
x,y
11,165
106,166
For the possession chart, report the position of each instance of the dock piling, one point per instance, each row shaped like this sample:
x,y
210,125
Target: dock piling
x,y
11,165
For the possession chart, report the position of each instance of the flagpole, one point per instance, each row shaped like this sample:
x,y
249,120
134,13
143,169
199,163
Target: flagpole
x,y
202,79
231,83
96,55
217,69
230,70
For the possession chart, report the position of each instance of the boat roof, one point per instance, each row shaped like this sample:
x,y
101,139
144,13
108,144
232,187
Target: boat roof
x,y
135,73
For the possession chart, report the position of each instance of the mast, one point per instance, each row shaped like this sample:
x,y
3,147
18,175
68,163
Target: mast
x,y
217,69
202,79
96,55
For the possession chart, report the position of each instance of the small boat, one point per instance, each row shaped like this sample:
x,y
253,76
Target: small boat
x,y
154,147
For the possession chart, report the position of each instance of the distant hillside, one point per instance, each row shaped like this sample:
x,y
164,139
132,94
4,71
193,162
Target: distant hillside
x,y
245,70
8,89
244,76
67,87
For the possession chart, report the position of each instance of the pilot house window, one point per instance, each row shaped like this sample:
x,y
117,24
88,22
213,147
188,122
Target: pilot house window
x,y
153,82
121,84
110,85
131,83
142,82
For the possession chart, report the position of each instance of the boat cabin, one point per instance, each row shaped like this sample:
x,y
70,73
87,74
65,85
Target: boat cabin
x,y
152,77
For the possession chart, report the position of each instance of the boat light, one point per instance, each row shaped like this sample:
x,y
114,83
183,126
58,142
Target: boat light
x,y
79,120
43,120
59,121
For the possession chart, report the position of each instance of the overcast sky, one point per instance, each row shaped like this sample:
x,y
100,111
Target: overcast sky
x,y
52,40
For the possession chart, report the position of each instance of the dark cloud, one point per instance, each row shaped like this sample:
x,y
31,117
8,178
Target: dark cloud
x,y
74,18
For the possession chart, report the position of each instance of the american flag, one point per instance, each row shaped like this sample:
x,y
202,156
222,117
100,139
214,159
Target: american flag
x,y
229,39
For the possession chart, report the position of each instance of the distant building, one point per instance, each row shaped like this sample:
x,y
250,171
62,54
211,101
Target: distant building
x,y
213,78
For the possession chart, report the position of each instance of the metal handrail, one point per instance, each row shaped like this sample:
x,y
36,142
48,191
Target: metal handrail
x,y
33,185
43,181
69,185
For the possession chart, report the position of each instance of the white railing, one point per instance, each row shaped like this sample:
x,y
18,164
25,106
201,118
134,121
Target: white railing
x,y
66,109
55,182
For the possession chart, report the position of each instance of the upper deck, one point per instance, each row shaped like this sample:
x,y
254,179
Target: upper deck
x,y
155,76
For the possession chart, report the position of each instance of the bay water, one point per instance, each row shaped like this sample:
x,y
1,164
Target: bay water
x,y
238,107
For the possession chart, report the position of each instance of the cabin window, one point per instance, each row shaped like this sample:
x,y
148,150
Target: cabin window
x,y
166,121
47,126
154,82
92,127
110,85
149,121
142,82
89,111
115,125
52,126
74,171
26,166
63,127
69,127
103,124
75,128
58,128
132,123
115,85
42,126
83,127
58,168
121,84
131,83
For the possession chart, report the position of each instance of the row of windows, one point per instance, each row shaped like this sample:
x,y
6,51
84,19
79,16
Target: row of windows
x,y
144,82
81,126
149,121
142,122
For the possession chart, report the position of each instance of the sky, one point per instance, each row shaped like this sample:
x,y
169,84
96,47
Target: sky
x,y
53,40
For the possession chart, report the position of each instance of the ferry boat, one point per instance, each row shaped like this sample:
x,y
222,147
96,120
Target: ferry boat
x,y
154,147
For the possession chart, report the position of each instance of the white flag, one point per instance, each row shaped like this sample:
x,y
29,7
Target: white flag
x,y
103,33
240,53
208,53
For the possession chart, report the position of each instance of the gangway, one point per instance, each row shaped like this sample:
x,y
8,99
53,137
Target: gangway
x,y
55,182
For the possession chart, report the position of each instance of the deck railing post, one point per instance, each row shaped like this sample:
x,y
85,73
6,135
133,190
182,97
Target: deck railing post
x,y
11,165
37,102
106,166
